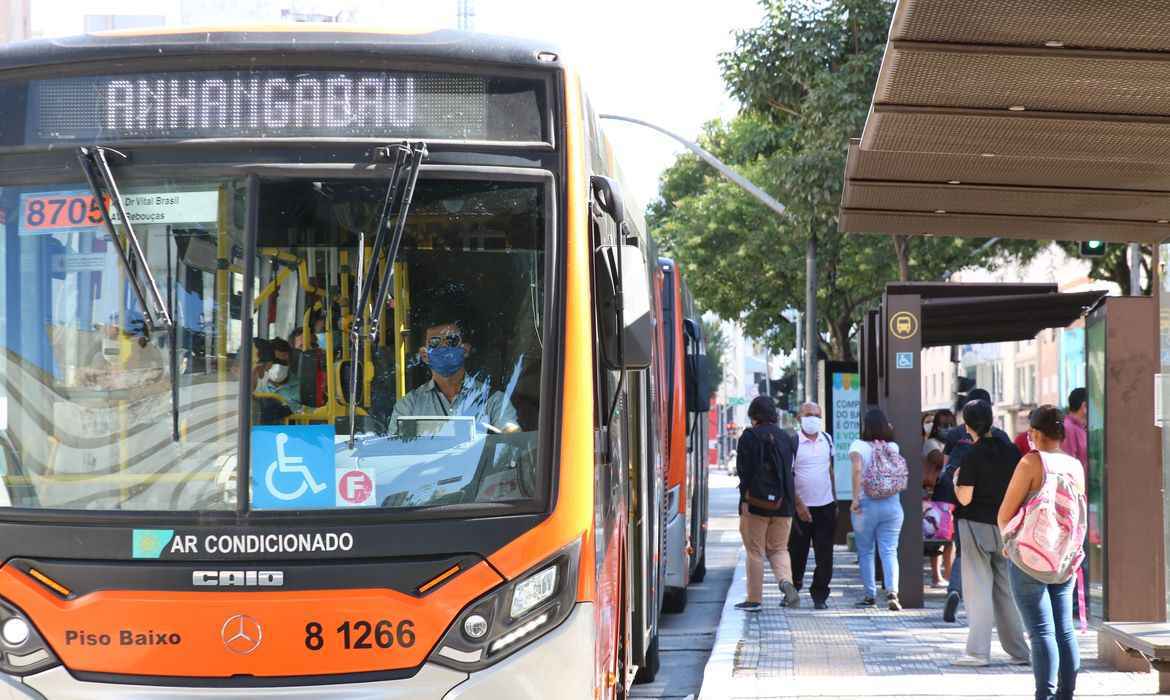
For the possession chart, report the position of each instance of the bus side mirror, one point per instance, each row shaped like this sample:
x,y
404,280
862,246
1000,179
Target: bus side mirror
x,y
698,389
607,194
623,282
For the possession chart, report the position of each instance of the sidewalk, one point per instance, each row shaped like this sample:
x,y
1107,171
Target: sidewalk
x,y
845,652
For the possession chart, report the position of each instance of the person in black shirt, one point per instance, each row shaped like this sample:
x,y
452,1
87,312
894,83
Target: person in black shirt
x,y
957,442
980,485
765,530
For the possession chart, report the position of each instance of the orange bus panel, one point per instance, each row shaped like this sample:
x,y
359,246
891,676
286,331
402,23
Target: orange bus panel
x,y
196,634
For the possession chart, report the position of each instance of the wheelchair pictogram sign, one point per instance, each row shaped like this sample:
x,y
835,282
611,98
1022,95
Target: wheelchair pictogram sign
x,y
292,466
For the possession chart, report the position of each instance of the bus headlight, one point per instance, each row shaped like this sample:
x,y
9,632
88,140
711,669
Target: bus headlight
x,y
512,615
22,651
534,590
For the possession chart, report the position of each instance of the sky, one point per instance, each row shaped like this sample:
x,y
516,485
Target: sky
x,y
656,60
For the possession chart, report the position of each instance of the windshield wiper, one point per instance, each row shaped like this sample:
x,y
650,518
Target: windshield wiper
x,y
96,167
407,159
355,339
157,314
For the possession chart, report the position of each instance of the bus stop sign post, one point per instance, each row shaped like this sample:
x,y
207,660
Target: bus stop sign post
x,y
902,329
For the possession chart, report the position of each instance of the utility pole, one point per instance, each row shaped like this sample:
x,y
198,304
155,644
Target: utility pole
x,y
465,14
811,344
810,292
1135,269
15,18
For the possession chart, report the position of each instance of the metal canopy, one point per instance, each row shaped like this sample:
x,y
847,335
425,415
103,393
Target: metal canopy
x,y
989,319
1042,119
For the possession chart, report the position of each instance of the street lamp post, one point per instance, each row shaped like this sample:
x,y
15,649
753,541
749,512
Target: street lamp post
x,y
810,359
793,316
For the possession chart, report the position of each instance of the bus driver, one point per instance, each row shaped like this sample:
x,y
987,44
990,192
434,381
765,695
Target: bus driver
x,y
450,391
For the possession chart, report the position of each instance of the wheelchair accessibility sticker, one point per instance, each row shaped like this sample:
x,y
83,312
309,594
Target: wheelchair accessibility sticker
x,y
292,467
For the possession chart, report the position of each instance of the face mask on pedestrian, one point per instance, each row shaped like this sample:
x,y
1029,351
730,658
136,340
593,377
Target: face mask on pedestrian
x,y
278,374
811,425
927,426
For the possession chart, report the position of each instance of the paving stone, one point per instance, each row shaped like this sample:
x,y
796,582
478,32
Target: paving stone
x,y
847,652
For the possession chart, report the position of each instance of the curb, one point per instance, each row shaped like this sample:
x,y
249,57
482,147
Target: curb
x,y
718,673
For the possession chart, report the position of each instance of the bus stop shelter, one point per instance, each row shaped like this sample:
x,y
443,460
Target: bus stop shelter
x,y
914,316
1027,119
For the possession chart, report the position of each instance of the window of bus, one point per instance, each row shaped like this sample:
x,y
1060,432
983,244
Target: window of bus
x,y
87,416
446,407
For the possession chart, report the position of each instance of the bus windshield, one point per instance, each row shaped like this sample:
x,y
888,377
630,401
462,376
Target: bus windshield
x,y
100,412
87,390
447,392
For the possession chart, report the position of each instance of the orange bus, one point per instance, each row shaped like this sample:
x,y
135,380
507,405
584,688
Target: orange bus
x,y
683,437
329,369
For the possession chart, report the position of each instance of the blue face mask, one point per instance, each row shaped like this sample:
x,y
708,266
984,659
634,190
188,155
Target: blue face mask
x,y
446,360
320,340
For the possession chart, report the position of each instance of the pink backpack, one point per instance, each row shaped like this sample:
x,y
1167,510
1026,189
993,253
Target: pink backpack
x,y
1046,537
886,474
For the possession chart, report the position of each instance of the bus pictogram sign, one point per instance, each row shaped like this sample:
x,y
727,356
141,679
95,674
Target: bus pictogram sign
x,y
904,325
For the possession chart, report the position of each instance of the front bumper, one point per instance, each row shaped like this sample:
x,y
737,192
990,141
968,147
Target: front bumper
x,y
559,664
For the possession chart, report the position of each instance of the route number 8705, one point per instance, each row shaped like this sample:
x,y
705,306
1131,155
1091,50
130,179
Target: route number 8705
x,y
363,634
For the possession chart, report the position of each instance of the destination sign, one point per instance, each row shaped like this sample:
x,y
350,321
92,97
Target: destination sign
x,y
284,104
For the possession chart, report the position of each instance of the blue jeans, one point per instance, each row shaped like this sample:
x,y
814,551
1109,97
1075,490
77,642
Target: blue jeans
x,y
956,583
1047,613
879,524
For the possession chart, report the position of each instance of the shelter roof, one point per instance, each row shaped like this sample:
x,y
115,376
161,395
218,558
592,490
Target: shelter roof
x,y
1044,119
989,319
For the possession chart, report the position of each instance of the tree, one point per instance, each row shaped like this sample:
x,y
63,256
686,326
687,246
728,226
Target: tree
x,y
716,351
805,77
1113,266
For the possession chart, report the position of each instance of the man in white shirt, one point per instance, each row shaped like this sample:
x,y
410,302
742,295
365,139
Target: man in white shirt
x,y
816,523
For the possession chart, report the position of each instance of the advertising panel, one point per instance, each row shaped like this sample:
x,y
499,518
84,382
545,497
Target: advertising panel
x,y
843,401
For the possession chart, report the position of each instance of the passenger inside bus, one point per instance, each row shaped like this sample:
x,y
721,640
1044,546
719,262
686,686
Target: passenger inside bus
x,y
450,391
275,377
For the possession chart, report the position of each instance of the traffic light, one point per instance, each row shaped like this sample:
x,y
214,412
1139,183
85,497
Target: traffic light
x,y
783,391
1092,249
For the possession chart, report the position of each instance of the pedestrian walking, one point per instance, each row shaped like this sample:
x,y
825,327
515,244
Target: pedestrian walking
x,y
816,521
768,500
980,485
957,443
879,475
1046,551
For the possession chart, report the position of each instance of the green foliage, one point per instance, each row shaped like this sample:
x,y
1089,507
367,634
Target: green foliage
x,y
805,77
1113,266
716,351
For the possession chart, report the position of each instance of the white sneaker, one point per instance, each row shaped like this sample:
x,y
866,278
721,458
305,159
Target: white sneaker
x,y
971,661
1020,661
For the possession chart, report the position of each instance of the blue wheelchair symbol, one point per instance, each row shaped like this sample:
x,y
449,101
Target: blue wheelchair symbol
x,y
292,467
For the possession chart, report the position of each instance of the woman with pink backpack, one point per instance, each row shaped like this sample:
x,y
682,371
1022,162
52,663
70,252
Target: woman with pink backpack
x,y
879,475
1043,519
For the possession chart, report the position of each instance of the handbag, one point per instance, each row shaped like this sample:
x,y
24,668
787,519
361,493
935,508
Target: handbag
x,y
938,520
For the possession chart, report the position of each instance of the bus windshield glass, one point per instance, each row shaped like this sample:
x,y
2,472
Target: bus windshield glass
x,y
447,391
97,411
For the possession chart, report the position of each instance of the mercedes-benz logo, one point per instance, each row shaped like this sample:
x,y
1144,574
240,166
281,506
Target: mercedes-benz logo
x,y
241,634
